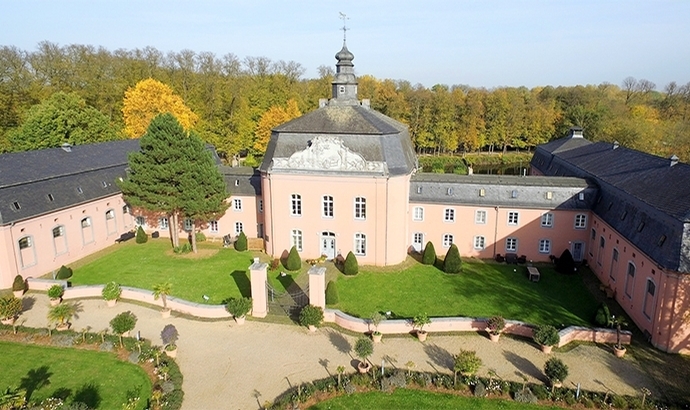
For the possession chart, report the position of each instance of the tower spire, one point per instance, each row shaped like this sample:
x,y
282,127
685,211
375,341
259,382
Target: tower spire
x,y
344,18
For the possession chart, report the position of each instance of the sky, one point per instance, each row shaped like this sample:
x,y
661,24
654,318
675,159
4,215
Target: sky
x,y
480,43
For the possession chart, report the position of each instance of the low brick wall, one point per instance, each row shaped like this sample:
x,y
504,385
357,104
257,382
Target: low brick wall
x,y
45,284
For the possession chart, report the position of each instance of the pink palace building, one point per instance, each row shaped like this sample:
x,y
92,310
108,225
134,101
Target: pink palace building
x,y
344,178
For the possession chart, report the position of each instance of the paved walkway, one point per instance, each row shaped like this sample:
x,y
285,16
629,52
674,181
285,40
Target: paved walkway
x,y
227,366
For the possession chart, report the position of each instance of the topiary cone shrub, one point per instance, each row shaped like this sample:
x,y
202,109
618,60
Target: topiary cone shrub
x,y
429,257
566,264
19,284
241,242
141,236
452,262
293,261
351,266
64,273
332,297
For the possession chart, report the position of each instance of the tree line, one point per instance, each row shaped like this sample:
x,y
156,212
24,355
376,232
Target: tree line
x,y
238,100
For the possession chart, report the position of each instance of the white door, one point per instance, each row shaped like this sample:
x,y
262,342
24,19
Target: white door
x,y
328,245
418,241
578,251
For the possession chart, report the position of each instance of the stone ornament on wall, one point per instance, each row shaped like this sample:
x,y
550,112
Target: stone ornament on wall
x,y
330,154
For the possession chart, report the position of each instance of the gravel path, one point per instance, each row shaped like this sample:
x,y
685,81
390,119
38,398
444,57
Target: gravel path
x,y
227,366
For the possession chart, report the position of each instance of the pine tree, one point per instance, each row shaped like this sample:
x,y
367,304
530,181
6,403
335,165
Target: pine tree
x,y
351,266
293,262
241,242
452,263
429,257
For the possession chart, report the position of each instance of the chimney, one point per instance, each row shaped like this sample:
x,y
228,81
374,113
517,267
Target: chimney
x,y
616,144
66,147
576,132
674,160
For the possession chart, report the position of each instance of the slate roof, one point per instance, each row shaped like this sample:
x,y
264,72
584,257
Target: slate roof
x,y
365,131
642,196
243,181
503,190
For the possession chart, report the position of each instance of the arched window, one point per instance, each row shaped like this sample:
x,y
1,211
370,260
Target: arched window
x,y
59,240
27,253
630,280
648,307
110,221
86,230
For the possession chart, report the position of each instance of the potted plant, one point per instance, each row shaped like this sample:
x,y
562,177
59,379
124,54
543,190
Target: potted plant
x,y
10,308
556,371
19,286
546,336
466,363
169,337
161,291
495,326
375,320
364,348
111,292
618,349
418,322
238,308
62,314
122,324
311,316
55,293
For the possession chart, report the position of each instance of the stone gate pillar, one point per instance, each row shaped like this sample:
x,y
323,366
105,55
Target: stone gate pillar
x,y
258,276
317,286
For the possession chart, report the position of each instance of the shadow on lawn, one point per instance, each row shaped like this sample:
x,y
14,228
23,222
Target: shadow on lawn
x,y
88,394
243,283
34,380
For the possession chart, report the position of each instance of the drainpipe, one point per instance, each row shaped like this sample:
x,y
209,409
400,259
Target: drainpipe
x,y
495,230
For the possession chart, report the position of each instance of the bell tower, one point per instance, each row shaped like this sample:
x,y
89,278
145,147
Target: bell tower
x,y
344,85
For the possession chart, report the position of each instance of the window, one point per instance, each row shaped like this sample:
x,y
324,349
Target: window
x,y
513,218
549,195
614,264
479,243
25,242
238,228
237,204
188,224
580,221
261,205
419,189
140,221
449,191
602,245
482,192
296,205
594,234
581,196
27,252
360,244
327,202
418,213
449,215
163,222
110,214
237,182
360,208
79,190
125,209
104,184
86,222
16,206
513,194
630,280
661,240
59,240
640,227
546,220
296,239
58,231
341,89
51,198
480,216
86,230
544,246
213,226
648,307
447,240
511,244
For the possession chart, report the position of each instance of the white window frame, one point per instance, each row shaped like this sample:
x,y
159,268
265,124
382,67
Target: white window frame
x,y
580,221
547,220
239,227
545,246
163,222
213,226
447,240
513,218
296,239
360,208
296,205
188,224
139,221
27,250
449,215
237,204
630,280
479,243
360,244
511,244
418,213
327,206
110,214
480,216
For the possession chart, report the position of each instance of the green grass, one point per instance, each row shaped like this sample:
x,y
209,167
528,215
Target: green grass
x,y
98,379
483,289
418,399
219,276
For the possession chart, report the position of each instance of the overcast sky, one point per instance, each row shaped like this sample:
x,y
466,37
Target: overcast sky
x,y
482,43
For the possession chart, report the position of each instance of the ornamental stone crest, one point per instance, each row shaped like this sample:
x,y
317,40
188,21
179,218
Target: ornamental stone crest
x,y
330,154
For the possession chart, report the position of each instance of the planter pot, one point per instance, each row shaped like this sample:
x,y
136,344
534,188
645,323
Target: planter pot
x,y
171,353
619,352
55,302
556,384
62,326
111,303
165,313
18,293
8,321
376,337
494,338
421,335
312,328
546,349
363,367
240,320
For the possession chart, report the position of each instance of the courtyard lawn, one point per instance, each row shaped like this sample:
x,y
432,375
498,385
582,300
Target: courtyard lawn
x,y
97,379
419,399
483,289
215,271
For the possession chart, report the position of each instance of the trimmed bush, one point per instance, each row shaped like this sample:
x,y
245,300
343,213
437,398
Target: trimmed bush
x,y
495,325
364,348
141,236
546,335
311,316
351,267
241,242
239,307
566,264
64,273
19,283
55,292
555,370
603,316
169,336
332,297
123,322
429,257
10,307
200,237
452,262
466,362
111,291
293,261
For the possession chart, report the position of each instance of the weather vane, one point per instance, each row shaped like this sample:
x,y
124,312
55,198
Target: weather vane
x,y
344,17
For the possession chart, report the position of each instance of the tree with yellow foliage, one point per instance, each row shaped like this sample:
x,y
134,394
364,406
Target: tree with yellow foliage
x,y
271,119
148,99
